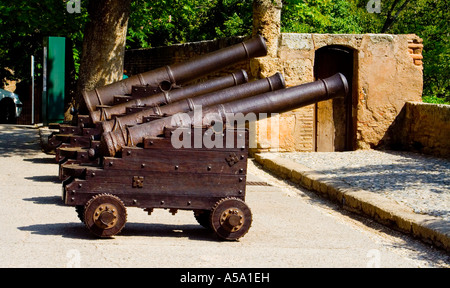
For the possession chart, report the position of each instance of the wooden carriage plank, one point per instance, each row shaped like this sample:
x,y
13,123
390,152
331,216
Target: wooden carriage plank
x,y
68,129
166,185
179,161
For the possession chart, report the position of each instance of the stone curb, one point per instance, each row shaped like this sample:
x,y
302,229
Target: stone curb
x,y
430,229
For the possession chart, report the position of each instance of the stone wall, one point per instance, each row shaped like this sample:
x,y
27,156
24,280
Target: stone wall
x,y
422,127
388,77
387,73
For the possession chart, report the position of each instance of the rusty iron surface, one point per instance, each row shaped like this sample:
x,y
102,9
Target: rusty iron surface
x,y
168,77
123,154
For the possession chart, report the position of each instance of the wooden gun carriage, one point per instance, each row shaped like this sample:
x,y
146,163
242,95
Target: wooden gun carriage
x,y
108,162
208,181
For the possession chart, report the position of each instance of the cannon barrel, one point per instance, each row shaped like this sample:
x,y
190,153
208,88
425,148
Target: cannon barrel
x,y
164,98
271,83
271,102
165,78
289,98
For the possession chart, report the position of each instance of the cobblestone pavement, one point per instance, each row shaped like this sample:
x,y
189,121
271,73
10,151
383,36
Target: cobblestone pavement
x,y
418,181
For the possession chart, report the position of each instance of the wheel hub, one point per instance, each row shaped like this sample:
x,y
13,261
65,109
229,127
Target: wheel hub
x,y
232,219
105,216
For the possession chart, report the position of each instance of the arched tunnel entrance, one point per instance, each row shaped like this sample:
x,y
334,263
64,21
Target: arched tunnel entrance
x,y
334,119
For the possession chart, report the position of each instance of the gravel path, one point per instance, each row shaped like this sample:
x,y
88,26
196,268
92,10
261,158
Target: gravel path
x,y
420,182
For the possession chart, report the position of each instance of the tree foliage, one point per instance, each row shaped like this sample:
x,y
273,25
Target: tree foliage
x,y
152,23
23,26
320,16
429,19
157,23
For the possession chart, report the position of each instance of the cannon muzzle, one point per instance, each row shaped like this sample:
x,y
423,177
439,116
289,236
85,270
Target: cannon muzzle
x,y
165,78
261,105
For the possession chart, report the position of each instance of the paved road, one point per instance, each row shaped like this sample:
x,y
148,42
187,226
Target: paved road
x,y
291,228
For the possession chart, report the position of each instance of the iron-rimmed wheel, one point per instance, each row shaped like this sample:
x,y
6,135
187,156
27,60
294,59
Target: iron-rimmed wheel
x,y
105,215
80,212
231,218
203,218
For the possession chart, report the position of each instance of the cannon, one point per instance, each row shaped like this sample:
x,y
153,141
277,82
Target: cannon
x,y
139,166
72,137
272,102
166,78
168,97
76,151
161,80
271,83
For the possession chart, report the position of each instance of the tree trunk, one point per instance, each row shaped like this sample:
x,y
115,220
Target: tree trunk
x,y
391,18
103,46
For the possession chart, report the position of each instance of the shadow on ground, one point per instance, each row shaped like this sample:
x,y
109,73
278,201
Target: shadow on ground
x,y
18,142
79,231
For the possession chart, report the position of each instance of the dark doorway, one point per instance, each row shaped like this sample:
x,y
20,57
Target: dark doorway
x,y
334,123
